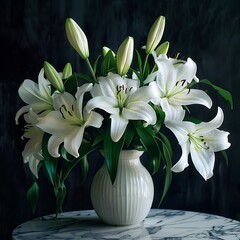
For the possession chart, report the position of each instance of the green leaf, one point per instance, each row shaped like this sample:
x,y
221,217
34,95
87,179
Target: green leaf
x,y
129,135
66,155
70,84
50,162
85,77
151,146
67,166
139,61
192,119
222,92
108,63
111,153
96,64
167,144
224,153
160,119
84,167
139,75
60,193
33,196
147,71
167,157
98,139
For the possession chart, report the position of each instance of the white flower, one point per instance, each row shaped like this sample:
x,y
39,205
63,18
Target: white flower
x,y
37,96
124,100
68,122
171,86
201,140
32,153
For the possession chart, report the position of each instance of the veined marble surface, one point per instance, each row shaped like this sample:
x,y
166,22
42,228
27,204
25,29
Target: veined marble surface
x,y
159,224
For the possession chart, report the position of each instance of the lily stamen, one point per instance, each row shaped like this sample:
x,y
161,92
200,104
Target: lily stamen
x,y
183,82
68,114
60,110
198,141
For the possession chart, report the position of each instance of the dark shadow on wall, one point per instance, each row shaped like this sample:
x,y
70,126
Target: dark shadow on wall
x,y
33,31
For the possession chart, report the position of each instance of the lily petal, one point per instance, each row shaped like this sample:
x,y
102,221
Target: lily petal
x,y
157,93
172,112
180,129
166,78
143,94
21,111
108,86
79,96
29,149
118,126
33,166
140,111
29,92
54,123
217,140
186,71
94,119
194,96
44,85
53,145
205,127
60,99
151,77
73,141
108,104
183,161
203,160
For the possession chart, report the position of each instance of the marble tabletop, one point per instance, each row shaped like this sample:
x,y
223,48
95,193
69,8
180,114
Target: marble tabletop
x,y
159,224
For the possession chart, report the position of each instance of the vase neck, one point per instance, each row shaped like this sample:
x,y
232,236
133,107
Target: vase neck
x,y
130,155
126,155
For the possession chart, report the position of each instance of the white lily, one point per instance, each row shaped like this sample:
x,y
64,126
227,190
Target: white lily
x,y
201,141
68,122
32,153
124,100
37,96
171,86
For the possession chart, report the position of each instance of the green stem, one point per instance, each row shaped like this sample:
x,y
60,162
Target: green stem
x,y
91,69
145,64
154,68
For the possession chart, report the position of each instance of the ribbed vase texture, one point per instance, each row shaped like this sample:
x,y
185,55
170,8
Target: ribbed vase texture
x,y
127,201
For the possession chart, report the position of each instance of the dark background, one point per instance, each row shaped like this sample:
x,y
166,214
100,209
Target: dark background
x,y
33,31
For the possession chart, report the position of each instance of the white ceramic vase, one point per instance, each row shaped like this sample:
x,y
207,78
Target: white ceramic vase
x,y
127,201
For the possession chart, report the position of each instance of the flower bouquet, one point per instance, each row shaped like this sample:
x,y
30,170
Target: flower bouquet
x,y
117,106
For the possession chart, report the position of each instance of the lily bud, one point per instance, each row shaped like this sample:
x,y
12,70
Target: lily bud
x,y
162,49
77,38
125,56
155,34
53,76
67,71
105,50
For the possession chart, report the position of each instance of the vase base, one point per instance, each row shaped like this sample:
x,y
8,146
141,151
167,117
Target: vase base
x,y
121,224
